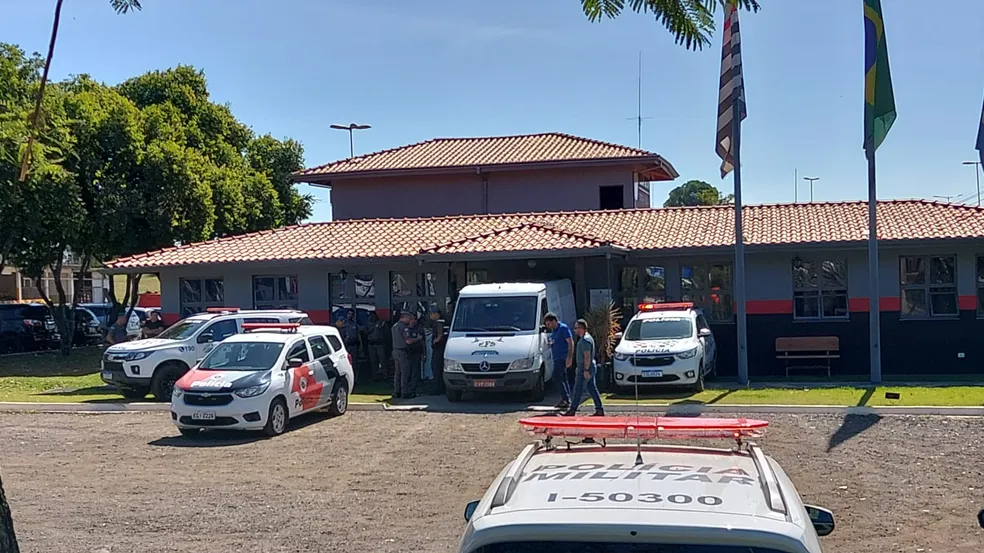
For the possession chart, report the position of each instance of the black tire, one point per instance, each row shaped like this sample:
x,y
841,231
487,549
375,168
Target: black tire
x,y
699,385
537,394
454,396
277,418
339,398
134,393
164,378
190,432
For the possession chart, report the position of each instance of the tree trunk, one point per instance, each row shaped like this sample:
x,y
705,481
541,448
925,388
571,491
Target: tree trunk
x,y
8,541
64,315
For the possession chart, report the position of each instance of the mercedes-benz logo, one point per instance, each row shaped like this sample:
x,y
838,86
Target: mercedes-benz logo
x,y
484,366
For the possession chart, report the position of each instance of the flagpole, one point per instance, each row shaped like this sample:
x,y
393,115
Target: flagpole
x,y
739,276
874,309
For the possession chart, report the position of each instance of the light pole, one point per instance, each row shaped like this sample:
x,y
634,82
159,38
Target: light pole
x,y
351,127
977,173
811,179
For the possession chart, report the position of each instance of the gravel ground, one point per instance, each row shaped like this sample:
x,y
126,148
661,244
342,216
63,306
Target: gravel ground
x,y
381,482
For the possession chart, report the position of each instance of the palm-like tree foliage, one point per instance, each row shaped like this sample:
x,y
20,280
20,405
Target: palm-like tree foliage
x,y
121,6
691,22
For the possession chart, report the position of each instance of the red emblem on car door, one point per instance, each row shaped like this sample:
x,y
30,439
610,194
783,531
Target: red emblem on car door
x,y
306,386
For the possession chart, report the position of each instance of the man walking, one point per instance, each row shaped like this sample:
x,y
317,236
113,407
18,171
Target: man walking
x,y
377,347
562,347
586,372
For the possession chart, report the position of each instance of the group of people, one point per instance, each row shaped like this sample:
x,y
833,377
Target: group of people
x,y
418,352
150,328
574,366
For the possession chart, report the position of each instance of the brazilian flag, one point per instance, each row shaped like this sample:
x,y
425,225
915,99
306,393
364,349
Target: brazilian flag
x,y
879,100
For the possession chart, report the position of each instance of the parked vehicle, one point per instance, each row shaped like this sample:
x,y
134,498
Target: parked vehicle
x,y
155,364
497,343
101,311
87,328
261,379
27,327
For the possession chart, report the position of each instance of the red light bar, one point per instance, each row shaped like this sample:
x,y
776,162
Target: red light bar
x,y
222,310
680,306
646,428
271,326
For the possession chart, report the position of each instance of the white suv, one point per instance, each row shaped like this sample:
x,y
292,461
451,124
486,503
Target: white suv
x,y
155,364
263,378
665,344
620,498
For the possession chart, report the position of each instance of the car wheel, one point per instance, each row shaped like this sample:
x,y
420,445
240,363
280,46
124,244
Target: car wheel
x,y
339,398
537,394
276,418
134,393
164,378
454,396
190,432
699,385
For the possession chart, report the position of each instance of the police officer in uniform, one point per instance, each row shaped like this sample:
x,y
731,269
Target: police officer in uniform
x,y
376,337
403,374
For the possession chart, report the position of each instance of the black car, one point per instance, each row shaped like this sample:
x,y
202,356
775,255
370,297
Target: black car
x,y
88,331
26,327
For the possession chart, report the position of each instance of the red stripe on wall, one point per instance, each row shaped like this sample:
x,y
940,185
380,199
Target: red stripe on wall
x,y
885,303
967,303
169,318
769,307
319,316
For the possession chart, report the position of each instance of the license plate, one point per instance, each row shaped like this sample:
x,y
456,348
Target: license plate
x,y
203,416
107,375
483,383
652,374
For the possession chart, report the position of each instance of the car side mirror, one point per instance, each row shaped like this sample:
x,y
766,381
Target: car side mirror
x,y
822,519
206,338
470,509
704,332
618,336
294,363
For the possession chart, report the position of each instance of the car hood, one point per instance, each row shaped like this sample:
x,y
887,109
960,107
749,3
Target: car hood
x,y
497,349
141,345
650,347
200,380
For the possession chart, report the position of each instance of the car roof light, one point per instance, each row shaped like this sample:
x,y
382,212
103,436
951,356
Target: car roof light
x,y
645,427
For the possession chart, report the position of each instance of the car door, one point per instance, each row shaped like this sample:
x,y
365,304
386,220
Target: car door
x,y
710,347
325,365
305,390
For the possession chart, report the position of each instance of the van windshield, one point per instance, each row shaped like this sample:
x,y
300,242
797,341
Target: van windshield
x,y
506,313
667,328
604,547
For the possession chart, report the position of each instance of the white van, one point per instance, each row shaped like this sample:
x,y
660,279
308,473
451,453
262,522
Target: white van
x,y
497,342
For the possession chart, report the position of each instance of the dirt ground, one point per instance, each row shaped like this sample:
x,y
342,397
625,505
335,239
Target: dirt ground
x,y
398,482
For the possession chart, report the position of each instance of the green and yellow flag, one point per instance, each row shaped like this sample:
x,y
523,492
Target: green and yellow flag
x,y
879,100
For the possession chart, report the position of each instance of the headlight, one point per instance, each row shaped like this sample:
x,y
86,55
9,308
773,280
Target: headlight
x,y
176,392
620,356
252,391
137,356
452,366
524,364
687,354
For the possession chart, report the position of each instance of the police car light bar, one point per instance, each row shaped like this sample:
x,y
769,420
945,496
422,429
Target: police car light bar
x,y
270,326
666,306
222,310
644,428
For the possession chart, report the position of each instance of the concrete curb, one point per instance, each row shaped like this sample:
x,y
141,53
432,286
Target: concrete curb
x,y
491,409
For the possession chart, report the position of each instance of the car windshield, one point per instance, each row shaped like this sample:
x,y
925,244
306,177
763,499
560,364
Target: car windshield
x,y
665,328
242,356
517,313
182,330
605,547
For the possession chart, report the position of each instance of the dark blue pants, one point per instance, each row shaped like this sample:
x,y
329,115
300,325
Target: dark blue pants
x,y
591,383
560,377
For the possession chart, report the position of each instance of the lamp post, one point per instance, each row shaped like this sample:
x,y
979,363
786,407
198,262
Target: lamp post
x,y
811,179
351,127
977,174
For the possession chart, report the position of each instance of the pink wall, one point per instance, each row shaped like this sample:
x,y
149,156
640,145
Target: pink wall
x,y
462,194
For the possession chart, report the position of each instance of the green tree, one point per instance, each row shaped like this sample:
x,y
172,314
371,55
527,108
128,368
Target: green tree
x,y
697,192
691,22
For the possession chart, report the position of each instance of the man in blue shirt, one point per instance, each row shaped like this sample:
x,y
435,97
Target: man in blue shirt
x,y
562,347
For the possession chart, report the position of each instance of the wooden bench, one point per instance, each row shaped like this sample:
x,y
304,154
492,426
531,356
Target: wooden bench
x,y
819,350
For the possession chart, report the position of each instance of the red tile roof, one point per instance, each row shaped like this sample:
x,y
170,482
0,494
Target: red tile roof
x,y
633,229
444,153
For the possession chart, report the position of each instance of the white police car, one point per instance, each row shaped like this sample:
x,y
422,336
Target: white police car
x,y
262,378
642,498
155,364
665,344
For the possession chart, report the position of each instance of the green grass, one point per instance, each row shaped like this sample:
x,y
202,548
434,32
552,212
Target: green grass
x,y
866,396
148,283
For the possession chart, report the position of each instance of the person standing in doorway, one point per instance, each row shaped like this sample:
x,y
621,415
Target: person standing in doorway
x,y
375,336
587,370
562,348
403,373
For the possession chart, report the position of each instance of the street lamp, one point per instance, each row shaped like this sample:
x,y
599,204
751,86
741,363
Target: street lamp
x,y
351,127
811,179
977,173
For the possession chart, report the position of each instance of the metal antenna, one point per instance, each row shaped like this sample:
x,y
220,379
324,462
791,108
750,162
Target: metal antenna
x,y
946,197
638,118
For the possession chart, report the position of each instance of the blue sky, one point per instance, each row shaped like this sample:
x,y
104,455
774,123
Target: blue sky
x,y
438,68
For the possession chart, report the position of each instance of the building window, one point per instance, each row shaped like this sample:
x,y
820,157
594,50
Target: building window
x,y
275,292
85,293
641,285
928,286
198,294
477,277
819,289
413,292
709,288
